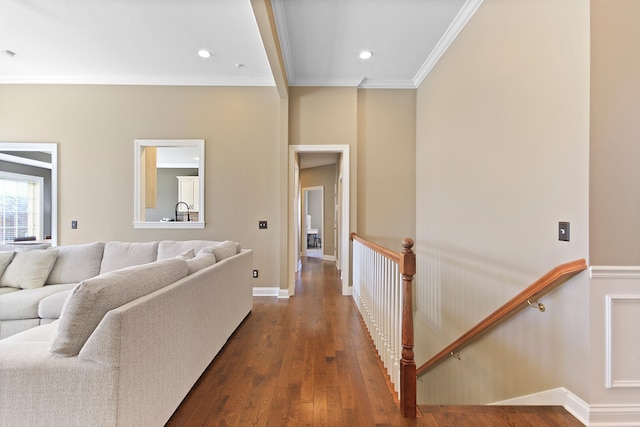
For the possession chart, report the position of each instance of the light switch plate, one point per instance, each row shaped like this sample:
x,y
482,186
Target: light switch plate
x,y
564,231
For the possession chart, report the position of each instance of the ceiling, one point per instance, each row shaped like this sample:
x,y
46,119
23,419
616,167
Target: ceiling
x,y
156,41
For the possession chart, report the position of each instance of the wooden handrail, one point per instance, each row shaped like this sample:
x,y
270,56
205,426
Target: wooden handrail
x,y
387,253
541,286
406,261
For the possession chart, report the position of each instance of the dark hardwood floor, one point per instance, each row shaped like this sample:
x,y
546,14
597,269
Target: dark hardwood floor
x,y
308,361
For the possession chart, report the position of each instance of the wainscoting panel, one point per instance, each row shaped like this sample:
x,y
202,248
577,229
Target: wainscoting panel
x,y
622,353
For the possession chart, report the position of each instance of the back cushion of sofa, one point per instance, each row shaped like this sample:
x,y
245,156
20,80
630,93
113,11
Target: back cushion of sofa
x,y
119,255
76,263
93,298
222,250
171,248
5,259
29,269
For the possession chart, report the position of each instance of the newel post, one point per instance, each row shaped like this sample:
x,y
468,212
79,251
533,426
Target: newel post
x,y
407,362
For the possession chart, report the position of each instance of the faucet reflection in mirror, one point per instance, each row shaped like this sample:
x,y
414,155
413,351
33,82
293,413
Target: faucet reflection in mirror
x,y
157,164
176,212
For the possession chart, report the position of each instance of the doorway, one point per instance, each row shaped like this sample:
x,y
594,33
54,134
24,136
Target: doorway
x,y
313,233
341,207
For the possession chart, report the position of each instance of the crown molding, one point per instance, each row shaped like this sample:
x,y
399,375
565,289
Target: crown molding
x,y
459,22
283,36
141,80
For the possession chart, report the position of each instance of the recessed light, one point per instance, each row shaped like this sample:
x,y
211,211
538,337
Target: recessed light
x,y
203,53
366,54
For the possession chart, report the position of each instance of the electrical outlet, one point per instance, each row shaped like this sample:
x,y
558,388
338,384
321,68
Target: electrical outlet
x,y
262,225
74,225
255,274
564,229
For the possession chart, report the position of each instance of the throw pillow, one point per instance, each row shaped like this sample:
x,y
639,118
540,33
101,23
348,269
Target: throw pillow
x,y
200,262
5,259
91,299
186,255
222,250
76,263
29,269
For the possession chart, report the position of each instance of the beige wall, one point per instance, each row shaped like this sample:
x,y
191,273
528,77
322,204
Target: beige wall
x,y
322,176
615,149
327,116
615,196
95,126
502,155
379,127
386,165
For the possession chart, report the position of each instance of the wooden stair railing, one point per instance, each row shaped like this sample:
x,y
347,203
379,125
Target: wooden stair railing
x,y
406,262
546,283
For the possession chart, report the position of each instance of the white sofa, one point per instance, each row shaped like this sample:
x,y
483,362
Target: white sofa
x,y
130,342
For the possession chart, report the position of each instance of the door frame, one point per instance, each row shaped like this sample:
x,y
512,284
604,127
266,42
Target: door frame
x,y
305,211
343,244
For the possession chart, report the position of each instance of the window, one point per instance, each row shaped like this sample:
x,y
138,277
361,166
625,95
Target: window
x,y
20,206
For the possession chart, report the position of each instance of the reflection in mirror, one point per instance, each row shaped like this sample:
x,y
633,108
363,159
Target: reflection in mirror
x,y
169,183
28,193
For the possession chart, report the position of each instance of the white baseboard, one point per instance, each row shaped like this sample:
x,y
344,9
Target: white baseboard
x,y
611,415
270,292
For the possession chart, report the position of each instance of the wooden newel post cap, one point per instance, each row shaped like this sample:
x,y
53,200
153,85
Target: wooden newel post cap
x,y
407,244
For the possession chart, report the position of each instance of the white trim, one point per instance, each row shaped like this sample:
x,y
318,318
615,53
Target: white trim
x,y
614,415
555,397
459,22
168,224
52,148
141,80
283,36
611,382
139,145
283,293
24,161
614,272
600,415
260,291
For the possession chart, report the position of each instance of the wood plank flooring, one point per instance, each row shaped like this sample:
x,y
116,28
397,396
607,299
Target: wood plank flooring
x,y
308,361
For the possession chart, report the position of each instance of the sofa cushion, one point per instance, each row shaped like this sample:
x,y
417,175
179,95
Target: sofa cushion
x,y
200,262
91,299
7,290
50,307
29,269
76,263
24,303
5,259
22,248
222,250
186,255
119,255
171,248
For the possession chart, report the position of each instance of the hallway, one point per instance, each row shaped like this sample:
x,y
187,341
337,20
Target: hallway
x,y
308,361
302,361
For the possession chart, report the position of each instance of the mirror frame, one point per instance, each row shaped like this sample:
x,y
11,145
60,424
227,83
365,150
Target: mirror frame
x,y
51,147
139,145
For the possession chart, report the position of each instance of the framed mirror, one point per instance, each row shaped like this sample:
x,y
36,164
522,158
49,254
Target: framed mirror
x,y
169,183
28,193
